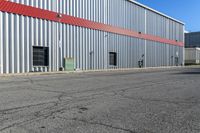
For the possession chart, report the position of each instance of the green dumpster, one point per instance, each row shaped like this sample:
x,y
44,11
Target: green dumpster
x,y
69,64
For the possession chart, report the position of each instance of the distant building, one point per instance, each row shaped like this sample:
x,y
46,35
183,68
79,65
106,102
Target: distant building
x,y
192,39
192,56
192,48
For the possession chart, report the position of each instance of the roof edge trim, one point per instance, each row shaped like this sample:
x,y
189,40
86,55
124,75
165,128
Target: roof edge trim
x,y
151,9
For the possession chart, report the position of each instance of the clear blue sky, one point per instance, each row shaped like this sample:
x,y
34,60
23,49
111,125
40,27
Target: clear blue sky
x,y
187,11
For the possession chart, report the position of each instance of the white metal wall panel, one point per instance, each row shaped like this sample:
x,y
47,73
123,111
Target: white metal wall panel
x,y
192,55
164,27
89,48
63,41
94,10
126,15
122,13
1,42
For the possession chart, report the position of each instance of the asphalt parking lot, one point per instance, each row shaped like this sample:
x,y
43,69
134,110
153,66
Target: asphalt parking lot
x,y
146,101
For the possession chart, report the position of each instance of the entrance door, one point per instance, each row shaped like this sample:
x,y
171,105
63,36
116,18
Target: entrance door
x,y
91,60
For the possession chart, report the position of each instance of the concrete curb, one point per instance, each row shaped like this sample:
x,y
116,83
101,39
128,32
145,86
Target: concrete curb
x,y
88,71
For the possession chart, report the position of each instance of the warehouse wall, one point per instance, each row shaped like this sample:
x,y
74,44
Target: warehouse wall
x,y
95,10
17,41
164,27
122,13
88,47
130,51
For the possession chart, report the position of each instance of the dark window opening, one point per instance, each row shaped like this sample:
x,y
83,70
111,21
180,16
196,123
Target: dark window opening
x,y
113,58
40,56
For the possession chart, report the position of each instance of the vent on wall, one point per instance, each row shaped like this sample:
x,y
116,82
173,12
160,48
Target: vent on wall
x,y
40,56
113,58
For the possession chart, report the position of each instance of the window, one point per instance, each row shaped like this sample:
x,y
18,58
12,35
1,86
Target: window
x,y
40,56
113,58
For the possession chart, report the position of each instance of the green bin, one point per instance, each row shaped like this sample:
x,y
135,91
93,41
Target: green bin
x,y
69,64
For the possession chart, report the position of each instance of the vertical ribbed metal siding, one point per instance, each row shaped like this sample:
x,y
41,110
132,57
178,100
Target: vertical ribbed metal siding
x,y
63,41
95,10
1,43
121,13
164,27
163,55
88,47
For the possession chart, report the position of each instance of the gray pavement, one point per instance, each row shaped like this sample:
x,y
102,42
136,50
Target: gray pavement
x,y
146,101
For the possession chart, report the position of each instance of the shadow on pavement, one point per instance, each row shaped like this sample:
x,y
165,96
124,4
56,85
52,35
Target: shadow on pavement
x,y
192,71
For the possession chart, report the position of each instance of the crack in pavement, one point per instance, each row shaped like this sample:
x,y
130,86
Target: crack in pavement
x,y
23,107
104,96
47,112
98,123
19,123
160,100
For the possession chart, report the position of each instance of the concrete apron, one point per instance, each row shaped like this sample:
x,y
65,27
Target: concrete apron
x,y
87,71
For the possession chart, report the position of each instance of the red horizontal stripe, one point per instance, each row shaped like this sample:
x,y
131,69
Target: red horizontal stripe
x,y
20,9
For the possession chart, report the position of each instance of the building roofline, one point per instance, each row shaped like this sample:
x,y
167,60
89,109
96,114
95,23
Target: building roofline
x,y
151,9
195,32
20,9
197,48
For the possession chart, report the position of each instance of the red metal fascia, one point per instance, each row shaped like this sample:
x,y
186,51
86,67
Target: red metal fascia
x,y
11,7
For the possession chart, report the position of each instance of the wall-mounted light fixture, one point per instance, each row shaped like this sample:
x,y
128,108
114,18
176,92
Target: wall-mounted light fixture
x,y
142,55
59,15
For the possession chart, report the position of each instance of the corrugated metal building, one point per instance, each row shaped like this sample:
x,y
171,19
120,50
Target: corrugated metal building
x,y
36,35
192,40
192,48
192,56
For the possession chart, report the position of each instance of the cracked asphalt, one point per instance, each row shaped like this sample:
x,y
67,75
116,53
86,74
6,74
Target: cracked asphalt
x,y
133,101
